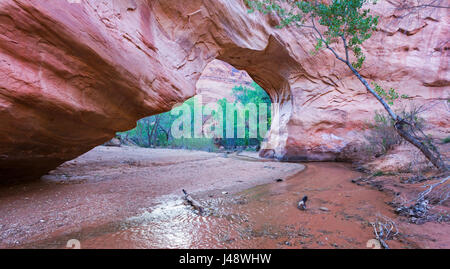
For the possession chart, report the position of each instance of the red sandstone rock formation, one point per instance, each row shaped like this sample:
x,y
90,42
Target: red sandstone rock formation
x,y
72,74
218,80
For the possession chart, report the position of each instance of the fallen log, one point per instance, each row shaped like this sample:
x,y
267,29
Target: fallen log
x,y
196,205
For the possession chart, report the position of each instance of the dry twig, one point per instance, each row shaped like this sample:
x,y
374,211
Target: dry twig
x,y
431,187
384,229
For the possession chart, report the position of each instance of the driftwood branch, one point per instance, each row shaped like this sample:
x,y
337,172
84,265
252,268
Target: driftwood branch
x,y
384,230
430,188
194,203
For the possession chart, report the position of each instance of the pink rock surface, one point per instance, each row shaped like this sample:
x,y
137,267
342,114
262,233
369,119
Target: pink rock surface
x,y
218,80
72,74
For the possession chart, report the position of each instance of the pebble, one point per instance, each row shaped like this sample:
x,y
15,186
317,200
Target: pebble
x,y
324,209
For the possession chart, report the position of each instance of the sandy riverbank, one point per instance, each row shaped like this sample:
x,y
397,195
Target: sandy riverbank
x,y
111,183
126,197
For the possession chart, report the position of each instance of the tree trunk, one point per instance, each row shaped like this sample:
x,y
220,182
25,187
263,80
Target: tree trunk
x,y
149,137
139,133
165,132
435,159
155,135
399,127
149,134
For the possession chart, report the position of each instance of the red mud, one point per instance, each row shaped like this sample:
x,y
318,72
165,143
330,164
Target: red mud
x,y
130,212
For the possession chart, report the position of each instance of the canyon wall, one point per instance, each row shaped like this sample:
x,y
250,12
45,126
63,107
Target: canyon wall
x,y
218,80
72,73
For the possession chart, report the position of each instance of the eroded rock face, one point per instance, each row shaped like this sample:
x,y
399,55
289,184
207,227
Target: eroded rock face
x,y
72,74
218,80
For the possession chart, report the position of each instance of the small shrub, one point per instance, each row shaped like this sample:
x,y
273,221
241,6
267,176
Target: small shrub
x,y
382,136
378,174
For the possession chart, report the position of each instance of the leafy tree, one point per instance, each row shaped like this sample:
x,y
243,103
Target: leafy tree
x,y
345,23
244,96
255,95
156,130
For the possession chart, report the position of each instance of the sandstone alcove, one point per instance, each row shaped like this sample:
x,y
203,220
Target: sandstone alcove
x,y
75,73
219,85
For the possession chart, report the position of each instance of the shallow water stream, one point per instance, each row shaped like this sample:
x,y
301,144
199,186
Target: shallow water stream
x,y
337,216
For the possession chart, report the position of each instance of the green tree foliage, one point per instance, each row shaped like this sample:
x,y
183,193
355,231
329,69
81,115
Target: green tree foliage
x,y
390,96
345,20
255,94
346,23
155,131
245,96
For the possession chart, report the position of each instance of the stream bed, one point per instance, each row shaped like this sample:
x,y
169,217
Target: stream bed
x,y
266,216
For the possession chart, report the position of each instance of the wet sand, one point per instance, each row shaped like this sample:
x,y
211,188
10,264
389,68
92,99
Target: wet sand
x,y
110,184
131,198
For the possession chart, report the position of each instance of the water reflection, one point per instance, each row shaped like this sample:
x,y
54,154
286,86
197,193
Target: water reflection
x,y
169,225
262,217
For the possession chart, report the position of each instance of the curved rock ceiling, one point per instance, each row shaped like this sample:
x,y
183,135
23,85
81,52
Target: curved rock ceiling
x,y
72,74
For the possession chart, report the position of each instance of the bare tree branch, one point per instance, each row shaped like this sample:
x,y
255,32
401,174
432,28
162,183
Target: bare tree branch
x,y
384,230
423,194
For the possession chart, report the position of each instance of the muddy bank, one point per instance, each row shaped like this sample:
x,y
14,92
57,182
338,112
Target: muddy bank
x,y
112,183
131,198
424,225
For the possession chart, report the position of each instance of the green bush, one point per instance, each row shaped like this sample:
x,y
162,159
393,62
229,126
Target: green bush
x,y
382,135
143,136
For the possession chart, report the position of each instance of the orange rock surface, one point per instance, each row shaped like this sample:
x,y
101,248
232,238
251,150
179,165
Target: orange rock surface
x,y
72,73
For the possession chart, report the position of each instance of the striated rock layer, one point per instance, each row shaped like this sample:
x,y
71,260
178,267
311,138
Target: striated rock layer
x,y
72,73
218,80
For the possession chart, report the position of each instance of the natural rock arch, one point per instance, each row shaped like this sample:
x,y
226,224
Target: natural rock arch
x,y
72,74
270,68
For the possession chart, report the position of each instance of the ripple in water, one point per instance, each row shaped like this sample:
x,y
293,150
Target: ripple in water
x,y
170,224
262,217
